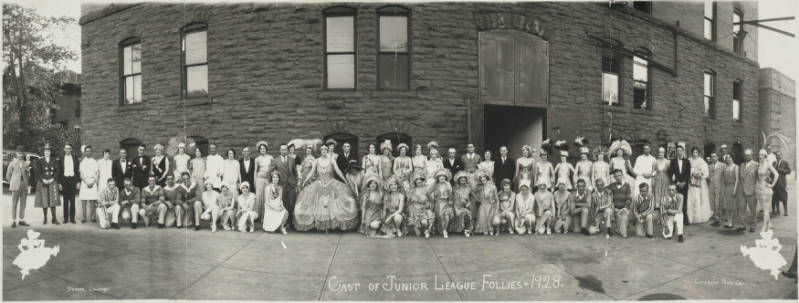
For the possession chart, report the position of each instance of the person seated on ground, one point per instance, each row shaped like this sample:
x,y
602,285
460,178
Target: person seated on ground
x,y
129,195
561,197
208,208
602,206
507,204
525,209
580,206
621,194
247,214
672,206
643,211
108,206
544,204
371,205
420,210
173,196
227,208
152,196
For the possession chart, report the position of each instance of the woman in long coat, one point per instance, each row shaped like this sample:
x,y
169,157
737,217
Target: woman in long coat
x,y
47,169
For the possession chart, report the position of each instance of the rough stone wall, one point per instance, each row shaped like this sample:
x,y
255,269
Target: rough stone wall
x,y
266,76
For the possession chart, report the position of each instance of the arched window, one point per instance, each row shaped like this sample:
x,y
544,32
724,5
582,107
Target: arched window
x,y
394,47
130,145
130,71
641,74
611,71
195,59
341,138
340,42
199,142
396,139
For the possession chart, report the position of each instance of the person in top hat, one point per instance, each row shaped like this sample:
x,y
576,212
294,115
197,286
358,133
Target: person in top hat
x,y
69,182
18,178
354,178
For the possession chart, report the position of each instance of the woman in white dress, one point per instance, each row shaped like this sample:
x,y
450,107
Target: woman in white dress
x,y
231,173
264,164
433,165
89,172
524,167
544,171
275,214
210,206
371,161
104,164
698,200
600,169
197,167
181,161
246,203
419,161
487,164
618,152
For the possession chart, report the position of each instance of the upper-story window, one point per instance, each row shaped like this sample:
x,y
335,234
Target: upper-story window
x,y
393,60
195,60
737,35
643,6
710,93
641,72
610,73
710,20
339,47
737,94
130,73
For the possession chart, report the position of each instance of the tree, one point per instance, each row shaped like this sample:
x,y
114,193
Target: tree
x,y
29,81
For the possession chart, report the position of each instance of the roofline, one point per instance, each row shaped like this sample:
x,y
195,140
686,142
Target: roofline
x,y
105,12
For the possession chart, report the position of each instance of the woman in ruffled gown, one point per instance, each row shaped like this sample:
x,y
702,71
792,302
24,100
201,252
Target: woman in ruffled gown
x,y
371,205
420,210
698,200
325,204
618,152
275,213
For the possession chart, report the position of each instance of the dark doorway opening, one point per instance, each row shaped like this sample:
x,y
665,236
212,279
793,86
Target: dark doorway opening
x,y
514,127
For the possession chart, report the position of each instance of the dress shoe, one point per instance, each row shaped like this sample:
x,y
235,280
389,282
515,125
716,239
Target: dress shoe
x,y
751,230
72,221
715,223
680,239
160,226
54,221
22,223
649,236
13,224
83,221
197,227
610,232
133,225
114,226
45,221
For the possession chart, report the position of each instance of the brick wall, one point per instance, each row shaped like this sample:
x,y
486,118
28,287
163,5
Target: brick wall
x,y
266,76
778,111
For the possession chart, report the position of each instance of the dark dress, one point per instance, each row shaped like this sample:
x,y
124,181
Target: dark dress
x,y
46,195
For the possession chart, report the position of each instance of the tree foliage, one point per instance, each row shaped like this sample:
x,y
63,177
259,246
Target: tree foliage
x,y
30,84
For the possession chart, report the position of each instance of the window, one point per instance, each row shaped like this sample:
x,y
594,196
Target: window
x,y
393,60
737,37
710,20
339,48
643,6
130,76
610,74
709,100
396,139
737,92
641,72
195,60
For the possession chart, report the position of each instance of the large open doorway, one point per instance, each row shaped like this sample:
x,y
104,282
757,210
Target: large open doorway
x,y
514,127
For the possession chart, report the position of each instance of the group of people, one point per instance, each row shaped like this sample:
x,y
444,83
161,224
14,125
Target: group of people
x,y
390,196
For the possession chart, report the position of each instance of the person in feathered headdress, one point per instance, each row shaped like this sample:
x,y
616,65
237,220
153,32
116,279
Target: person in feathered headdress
x,y
431,146
371,204
393,206
582,170
619,152
403,166
441,194
600,169
420,209
545,172
386,161
564,171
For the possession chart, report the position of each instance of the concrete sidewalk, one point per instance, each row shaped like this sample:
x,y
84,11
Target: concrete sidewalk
x,y
148,263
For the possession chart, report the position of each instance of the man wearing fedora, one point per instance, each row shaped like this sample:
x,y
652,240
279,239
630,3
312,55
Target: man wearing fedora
x,y
69,182
18,179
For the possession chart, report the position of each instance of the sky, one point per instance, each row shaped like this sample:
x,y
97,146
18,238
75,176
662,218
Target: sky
x,y
775,50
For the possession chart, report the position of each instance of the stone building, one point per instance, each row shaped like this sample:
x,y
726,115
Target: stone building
x,y
487,73
777,94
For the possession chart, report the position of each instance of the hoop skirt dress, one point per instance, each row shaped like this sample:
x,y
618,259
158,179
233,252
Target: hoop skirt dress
x,y
326,203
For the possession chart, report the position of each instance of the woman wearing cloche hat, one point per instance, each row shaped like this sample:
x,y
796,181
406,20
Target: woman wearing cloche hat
x,y
420,208
441,194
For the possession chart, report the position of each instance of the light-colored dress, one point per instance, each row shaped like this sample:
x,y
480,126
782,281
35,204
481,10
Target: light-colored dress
x,y
583,171
371,166
327,203
88,171
420,208
661,181
404,166
432,166
264,165
181,164
728,197
419,163
305,170
487,194
563,172
198,171
231,175
643,165
373,209
386,168
544,173
715,185
105,173
525,172
600,170
275,214
391,204
462,205
764,192
441,194
488,166
214,165
698,195
525,208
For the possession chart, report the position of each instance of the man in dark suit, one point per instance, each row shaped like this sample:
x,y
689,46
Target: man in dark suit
x,y
780,189
343,160
247,167
121,169
452,162
504,167
680,174
140,169
285,166
69,182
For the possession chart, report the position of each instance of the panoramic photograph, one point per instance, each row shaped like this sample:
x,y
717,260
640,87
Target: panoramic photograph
x,y
399,151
